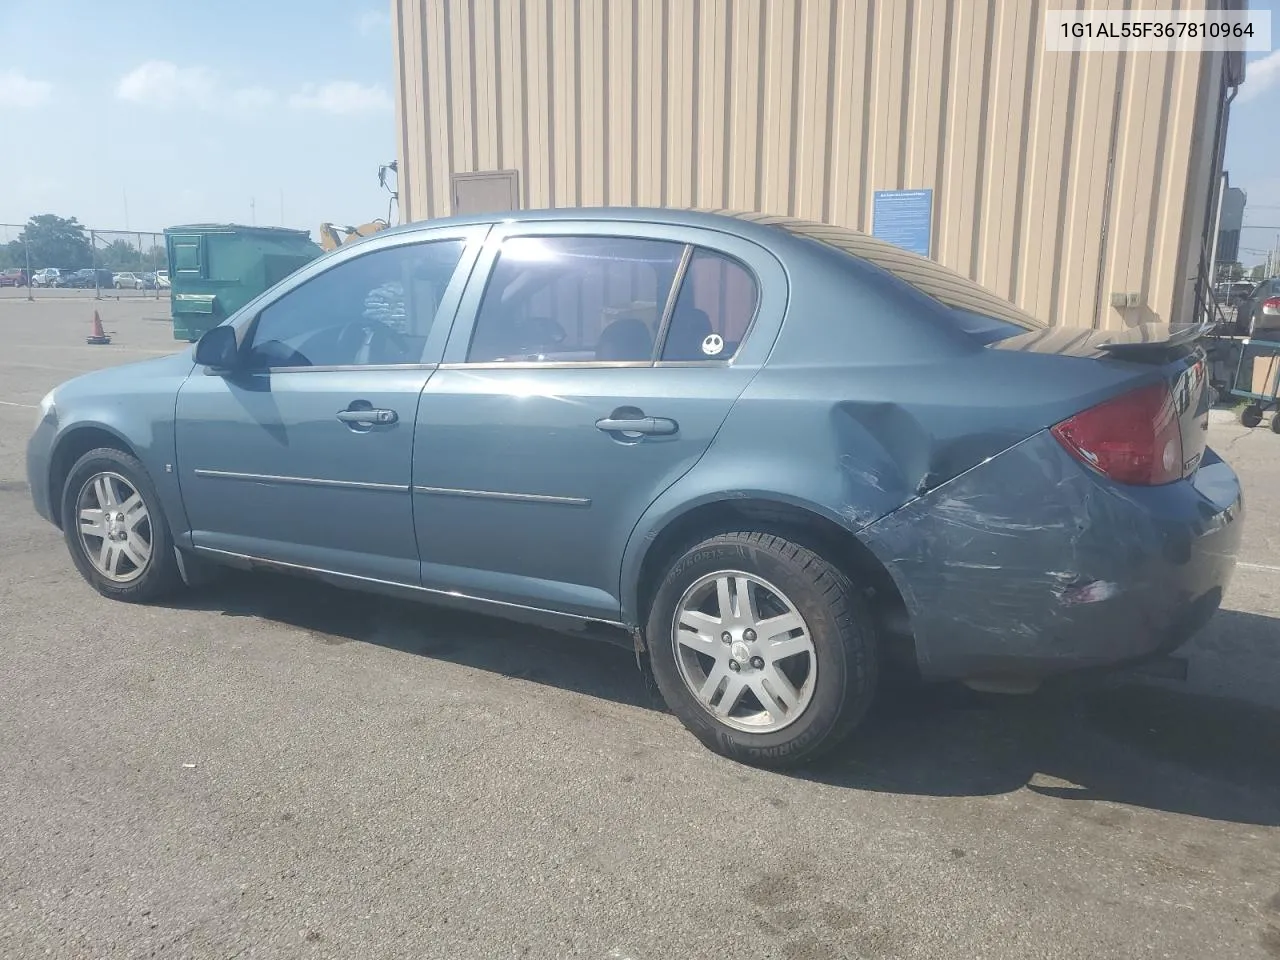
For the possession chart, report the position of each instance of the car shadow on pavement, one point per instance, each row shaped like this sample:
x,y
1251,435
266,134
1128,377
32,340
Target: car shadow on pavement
x,y
1116,739
335,616
1121,740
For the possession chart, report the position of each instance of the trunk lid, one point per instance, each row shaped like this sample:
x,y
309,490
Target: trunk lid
x,y
1174,354
1145,342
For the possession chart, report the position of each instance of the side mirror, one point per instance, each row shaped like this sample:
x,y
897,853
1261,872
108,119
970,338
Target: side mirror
x,y
218,349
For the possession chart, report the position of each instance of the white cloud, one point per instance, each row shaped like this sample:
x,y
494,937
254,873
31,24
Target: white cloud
x,y
373,22
253,98
342,96
1260,76
19,90
162,83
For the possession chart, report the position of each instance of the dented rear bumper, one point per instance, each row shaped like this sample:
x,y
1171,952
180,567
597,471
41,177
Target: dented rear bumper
x,y
1031,565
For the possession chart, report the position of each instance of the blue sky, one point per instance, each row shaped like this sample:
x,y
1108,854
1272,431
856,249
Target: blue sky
x,y
189,111
1253,143
192,110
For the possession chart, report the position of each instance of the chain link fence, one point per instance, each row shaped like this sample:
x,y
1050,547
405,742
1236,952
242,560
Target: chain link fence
x,y
39,263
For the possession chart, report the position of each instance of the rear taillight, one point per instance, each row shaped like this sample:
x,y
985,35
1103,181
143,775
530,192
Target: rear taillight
x,y
1271,305
1134,438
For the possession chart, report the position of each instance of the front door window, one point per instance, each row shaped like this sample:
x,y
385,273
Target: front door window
x,y
375,309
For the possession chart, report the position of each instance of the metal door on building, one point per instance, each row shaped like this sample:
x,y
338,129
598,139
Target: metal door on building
x,y
489,191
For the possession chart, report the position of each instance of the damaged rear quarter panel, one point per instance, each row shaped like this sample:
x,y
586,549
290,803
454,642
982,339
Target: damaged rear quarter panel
x,y
1030,563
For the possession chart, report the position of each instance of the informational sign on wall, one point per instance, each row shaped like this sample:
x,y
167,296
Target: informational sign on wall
x,y
904,218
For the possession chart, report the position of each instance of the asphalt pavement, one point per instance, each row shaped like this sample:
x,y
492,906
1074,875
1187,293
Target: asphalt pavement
x,y
272,768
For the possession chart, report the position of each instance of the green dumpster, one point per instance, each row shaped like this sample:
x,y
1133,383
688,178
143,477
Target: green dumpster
x,y
216,268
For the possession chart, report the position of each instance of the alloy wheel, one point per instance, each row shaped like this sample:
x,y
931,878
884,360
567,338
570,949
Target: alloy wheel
x,y
744,651
114,527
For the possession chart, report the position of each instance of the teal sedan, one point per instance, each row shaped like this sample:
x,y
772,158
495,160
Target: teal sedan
x,y
773,457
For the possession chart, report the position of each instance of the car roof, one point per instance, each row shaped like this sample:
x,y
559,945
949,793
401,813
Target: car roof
x,y
942,284
708,219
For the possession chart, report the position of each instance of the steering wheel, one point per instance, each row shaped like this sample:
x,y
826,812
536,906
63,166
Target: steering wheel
x,y
540,333
359,338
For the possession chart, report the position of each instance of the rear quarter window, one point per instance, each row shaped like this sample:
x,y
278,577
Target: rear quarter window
x,y
713,311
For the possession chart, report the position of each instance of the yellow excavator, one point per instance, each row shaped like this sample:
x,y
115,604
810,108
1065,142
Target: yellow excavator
x,y
333,236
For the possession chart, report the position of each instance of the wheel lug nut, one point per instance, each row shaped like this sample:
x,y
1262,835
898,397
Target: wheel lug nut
x,y
757,662
734,666
726,637
749,635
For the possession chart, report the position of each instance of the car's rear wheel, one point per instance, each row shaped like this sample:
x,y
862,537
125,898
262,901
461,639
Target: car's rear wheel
x,y
762,648
115,528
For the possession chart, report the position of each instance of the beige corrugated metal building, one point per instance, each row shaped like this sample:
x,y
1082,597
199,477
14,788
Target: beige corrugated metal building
x,y
1058,179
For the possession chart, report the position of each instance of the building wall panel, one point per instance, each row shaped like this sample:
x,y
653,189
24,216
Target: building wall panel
x,y
681,17
565,117
746,33
708,160
591,41
812,120
1058,178
650,96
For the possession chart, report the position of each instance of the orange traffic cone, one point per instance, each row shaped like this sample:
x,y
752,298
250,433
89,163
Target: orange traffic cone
x,y
98,336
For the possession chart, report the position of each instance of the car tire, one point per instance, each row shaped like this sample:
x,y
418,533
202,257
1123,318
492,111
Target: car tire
x,y
118,544
831,684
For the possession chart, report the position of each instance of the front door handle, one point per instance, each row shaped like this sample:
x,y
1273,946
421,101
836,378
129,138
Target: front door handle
x,y
368,417
650,426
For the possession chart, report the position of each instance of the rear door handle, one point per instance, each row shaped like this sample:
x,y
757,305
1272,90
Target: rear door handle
x,y
651,426
371,416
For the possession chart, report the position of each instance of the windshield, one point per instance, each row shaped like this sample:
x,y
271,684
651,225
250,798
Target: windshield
x,y
976,309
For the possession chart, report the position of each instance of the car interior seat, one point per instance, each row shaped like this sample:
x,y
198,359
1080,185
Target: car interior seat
x,y
689,327
625,339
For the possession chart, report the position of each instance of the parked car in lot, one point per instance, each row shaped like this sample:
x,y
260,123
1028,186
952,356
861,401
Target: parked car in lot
x,y
1233,293
1230,297
13,277
75,278
72,278
773,456
1259,316
45,277
127,281
162,279
87,278
148,280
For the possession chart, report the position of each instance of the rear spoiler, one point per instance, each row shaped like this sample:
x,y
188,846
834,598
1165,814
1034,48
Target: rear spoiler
x,y
1149,339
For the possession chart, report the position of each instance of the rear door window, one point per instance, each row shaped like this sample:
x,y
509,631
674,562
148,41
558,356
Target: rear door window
x,y
578,299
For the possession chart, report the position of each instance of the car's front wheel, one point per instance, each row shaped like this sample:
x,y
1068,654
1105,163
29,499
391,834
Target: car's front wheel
x,y
115,528
762,648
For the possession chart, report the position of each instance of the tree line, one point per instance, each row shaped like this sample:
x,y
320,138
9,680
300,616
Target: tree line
x,y
53,241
